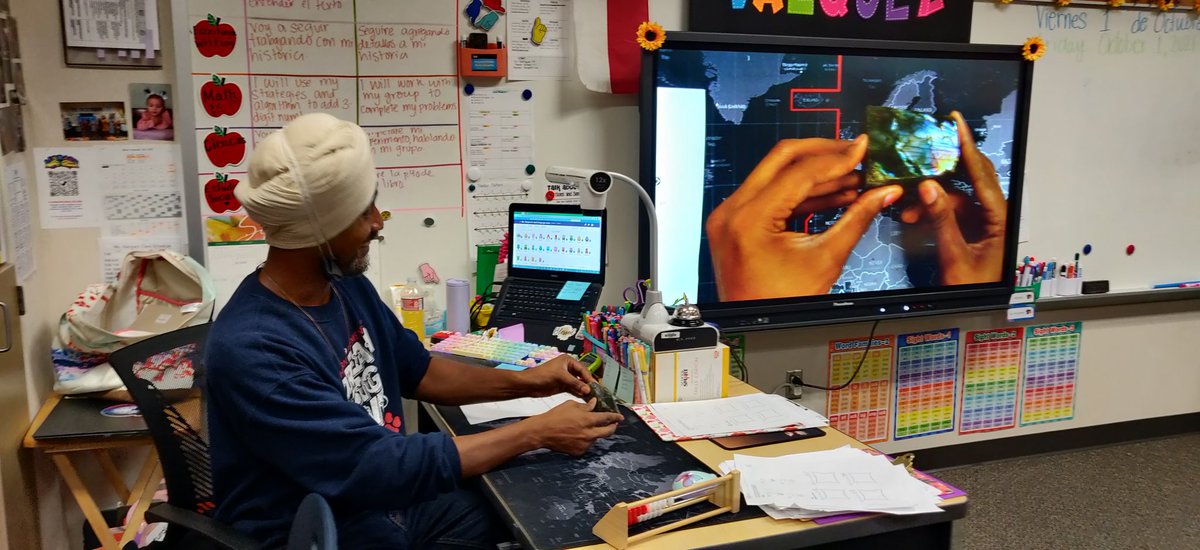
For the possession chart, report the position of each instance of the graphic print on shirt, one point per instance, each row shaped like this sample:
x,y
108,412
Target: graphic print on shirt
x,y
361,379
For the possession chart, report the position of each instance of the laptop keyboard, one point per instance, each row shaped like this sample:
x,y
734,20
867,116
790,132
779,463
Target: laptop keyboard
x,y
538,301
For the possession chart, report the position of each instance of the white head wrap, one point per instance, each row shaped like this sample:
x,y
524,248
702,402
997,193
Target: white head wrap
x,y
309,181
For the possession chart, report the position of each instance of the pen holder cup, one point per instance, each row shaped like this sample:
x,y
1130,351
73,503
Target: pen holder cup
x,y
1070,287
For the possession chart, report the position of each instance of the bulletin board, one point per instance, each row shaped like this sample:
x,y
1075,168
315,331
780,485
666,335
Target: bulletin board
x,y
390,66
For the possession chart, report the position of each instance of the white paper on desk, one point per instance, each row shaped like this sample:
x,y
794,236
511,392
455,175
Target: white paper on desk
x,y
479,413
838,480
758,411
545,61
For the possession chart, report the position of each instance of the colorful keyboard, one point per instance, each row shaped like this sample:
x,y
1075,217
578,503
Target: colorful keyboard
x,y
495,349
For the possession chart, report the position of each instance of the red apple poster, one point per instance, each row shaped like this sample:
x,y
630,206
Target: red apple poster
x,y
256,66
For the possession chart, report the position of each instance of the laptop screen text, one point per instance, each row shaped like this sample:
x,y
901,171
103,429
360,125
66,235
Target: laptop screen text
x,y
554,241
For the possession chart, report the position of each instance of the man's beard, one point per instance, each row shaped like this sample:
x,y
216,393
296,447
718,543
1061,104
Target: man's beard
x,y
358,266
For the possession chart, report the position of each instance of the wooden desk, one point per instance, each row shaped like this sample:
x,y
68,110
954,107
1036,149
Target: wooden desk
x,y
62,450
923,530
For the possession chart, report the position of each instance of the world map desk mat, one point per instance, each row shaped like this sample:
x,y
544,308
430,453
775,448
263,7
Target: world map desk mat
x,y
553,500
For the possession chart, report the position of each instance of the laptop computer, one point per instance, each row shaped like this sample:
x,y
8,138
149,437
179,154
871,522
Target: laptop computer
x,y
555,272
85,417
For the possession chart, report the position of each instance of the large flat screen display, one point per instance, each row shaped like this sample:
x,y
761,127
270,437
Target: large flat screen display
x,y
801,181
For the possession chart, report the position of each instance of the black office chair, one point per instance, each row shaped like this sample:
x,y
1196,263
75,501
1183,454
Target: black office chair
x,y
187,467
313,528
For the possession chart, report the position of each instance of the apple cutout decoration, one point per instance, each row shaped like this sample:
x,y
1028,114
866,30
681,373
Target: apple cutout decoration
x,y
224,147
220,98
219,194
214,38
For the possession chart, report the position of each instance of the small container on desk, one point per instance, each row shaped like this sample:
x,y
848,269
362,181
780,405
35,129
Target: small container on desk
x,y
685,375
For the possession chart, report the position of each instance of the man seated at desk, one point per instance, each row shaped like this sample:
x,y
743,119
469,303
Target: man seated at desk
x,y
307,367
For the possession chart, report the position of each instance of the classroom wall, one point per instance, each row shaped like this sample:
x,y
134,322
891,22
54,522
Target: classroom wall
x,y
1136,360
66,258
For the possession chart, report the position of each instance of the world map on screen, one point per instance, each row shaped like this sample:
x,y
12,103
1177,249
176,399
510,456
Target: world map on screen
x,y
756,99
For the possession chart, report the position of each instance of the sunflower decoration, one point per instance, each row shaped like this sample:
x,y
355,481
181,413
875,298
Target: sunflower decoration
x,y
1116,3
1062,3
1034,48
1166,5
650,36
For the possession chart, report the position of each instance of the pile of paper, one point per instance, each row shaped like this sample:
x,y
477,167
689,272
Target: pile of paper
x,y
824,483
756,412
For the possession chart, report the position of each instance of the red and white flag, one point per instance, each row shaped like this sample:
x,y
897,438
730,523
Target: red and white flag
x,y
606,48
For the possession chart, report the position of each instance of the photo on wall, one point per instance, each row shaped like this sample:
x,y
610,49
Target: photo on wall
x,y
94,121
152,111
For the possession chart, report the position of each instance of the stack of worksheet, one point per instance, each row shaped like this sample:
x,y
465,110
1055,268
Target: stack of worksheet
x,y
824,483
741,415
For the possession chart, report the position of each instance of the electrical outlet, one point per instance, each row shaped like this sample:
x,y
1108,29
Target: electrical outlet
x,y
791,383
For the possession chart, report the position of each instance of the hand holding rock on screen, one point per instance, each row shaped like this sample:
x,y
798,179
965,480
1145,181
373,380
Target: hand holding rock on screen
x,y
965,260
755,254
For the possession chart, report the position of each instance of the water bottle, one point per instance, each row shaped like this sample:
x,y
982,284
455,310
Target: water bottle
x,y
412,308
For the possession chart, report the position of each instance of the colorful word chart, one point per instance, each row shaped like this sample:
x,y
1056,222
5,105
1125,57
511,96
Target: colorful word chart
x,y
926,365
1051,366
991,372
387,65
860,410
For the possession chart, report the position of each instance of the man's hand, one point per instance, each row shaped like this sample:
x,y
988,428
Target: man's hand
x,y
558,375
756,255
962,262
572,427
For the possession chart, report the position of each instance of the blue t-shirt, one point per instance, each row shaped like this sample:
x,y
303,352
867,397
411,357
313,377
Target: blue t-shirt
x,y
294,409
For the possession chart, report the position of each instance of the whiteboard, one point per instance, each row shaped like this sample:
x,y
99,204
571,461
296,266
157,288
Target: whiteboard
x,y
1113,150
292,58
1113,155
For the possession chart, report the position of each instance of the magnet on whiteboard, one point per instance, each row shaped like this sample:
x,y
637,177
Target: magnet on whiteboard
x,y
474,173
471,188
1087,249
549,196
530,169
526,185
428,221
469,89
527,94
386,215
1129,250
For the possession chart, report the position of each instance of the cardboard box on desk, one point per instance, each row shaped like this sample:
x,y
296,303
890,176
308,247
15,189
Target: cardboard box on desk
x,y
690,375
